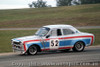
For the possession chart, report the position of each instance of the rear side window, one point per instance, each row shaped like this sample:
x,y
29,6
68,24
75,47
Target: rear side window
x,y
67,31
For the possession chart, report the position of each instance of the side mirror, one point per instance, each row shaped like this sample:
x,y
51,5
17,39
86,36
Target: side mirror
x,y
47,36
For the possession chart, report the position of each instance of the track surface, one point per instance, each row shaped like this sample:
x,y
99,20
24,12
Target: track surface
x,y
91,54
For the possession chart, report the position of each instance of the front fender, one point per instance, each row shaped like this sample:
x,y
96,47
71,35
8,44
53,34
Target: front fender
x,y
27,45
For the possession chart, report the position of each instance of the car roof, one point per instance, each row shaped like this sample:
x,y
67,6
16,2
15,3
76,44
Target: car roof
x,y
58,26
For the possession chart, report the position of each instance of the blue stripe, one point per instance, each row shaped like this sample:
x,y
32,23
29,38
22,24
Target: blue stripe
x,y
63,43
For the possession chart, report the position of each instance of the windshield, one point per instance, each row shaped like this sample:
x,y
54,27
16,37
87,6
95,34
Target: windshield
x,y
42,31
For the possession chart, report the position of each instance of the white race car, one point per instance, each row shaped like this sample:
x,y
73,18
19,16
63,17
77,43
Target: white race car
x,y
53,37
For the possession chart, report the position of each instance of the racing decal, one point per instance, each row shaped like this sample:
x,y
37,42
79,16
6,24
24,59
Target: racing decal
x,y
24,47
66,47
80,37
54,43
28,41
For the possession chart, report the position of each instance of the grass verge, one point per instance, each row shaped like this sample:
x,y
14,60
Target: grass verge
x,y
81,15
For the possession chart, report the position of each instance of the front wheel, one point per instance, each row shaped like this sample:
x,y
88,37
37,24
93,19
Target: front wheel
x,y
79,46
32,50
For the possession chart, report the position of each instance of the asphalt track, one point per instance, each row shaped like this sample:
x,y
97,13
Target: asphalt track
x,y
89,55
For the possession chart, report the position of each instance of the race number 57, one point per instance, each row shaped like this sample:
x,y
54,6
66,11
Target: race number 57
x,y
54,43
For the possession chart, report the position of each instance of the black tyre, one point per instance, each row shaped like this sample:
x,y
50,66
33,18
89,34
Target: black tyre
x,y
79,46
32,50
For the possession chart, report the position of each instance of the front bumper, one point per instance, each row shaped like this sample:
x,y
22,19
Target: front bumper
x,y
18,47
18,50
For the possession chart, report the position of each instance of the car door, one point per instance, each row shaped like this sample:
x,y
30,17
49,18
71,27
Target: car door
x,y
66,34
55,41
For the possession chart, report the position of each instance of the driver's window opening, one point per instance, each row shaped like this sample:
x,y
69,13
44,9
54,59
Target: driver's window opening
x,y
53,32
59,32
42,31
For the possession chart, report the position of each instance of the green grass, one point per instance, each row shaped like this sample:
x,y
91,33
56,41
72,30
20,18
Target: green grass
x,y
7,35
81,15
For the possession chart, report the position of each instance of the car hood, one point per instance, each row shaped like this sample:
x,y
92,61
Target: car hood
x,y
26,38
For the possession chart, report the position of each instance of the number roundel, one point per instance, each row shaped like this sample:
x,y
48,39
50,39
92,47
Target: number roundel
x,y
54,44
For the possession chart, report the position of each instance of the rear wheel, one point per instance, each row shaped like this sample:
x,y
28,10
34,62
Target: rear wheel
x,y
79,46
32,50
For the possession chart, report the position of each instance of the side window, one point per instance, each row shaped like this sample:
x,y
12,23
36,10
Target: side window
x,y
67,31
59,32
53,33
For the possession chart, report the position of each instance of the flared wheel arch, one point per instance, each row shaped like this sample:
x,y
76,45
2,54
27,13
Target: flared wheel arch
x,y
77,42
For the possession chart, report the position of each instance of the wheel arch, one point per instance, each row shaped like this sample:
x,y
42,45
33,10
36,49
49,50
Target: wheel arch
x,y
79,41
80,48
38,47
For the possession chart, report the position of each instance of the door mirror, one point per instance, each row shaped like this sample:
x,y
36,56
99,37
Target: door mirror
x,y
47,36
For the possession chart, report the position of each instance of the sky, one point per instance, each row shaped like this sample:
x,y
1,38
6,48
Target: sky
x,y
19,4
